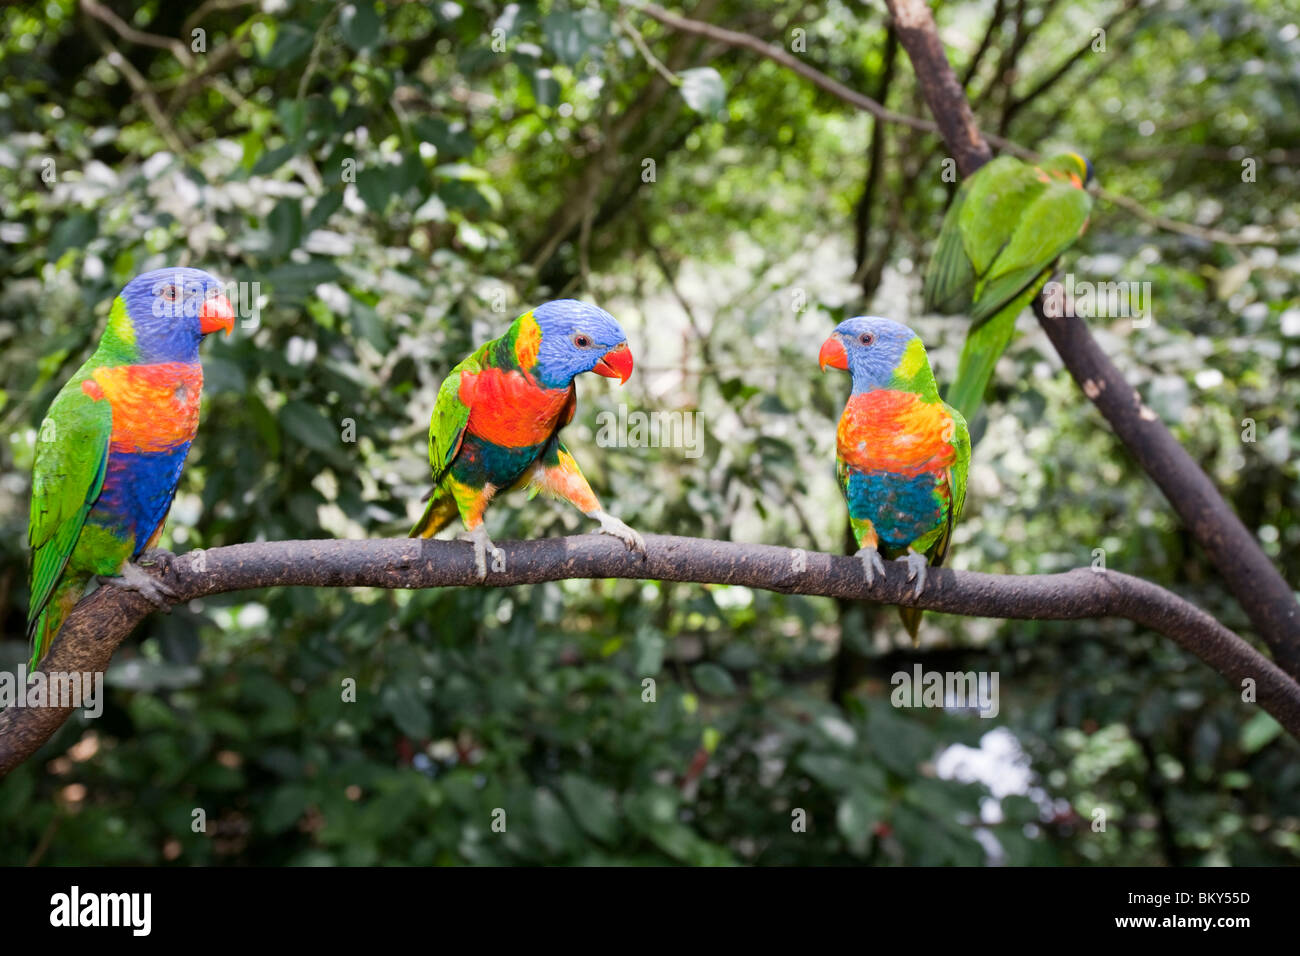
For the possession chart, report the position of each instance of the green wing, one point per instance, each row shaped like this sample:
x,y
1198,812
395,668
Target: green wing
x,y
957,484
984,345
450,416
977,227
949,279
995,204
71,459
1047,227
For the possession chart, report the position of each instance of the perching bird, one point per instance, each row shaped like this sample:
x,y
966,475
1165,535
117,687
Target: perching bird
x,y
1001,237
498,417
111,448
901,453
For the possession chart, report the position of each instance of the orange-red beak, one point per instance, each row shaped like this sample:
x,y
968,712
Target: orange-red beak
x,y
616,363
833,355
216,314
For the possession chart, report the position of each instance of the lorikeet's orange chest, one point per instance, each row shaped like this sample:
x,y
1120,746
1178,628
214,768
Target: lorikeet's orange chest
x,y
509,408
885,430
155,407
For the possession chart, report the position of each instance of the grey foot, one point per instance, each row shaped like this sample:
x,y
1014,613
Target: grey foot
x,y
871,563
916,566
482,545
613,526
150,588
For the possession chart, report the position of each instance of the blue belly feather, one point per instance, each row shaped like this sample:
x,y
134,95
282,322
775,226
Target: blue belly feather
x,y
481,462
901,508
137,493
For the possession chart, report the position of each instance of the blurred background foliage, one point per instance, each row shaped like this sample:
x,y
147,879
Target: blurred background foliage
x,y
502,155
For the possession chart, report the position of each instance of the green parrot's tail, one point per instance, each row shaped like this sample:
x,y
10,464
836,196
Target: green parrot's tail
x,y
441,509
912,621
42,630
985,343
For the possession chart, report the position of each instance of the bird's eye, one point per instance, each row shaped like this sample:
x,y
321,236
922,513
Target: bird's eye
x,y
582,341
866,338
169,293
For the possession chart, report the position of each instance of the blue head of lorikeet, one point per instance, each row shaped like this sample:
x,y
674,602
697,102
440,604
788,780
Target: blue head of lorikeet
x,y
577,338
869,348
171,310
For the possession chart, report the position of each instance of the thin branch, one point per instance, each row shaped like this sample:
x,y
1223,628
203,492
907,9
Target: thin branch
x,y
995,24
778,55
958,136
1257,236
1017,103
638,41
132,35
211,6
171,136
102,621
1257,585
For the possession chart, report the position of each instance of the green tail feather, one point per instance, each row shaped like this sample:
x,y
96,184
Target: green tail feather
x,y
912,621
438,514
42,631
985,343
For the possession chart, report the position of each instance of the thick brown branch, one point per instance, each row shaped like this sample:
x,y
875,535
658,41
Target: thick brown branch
x,y
943,93
1258,586
101,622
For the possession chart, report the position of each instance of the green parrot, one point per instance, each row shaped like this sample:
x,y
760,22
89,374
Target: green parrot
x,y
1000,241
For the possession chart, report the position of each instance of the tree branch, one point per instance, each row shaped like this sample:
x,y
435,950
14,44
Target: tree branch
x,y
102,621
1258,586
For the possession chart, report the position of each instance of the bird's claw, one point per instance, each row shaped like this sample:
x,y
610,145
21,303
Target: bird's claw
x,y
871,563
613,526
482,545
133,578
916,568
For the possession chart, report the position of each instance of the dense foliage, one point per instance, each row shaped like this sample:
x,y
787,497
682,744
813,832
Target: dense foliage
x,y
501,156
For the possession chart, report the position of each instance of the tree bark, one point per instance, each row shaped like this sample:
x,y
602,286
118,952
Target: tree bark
x,y
102,621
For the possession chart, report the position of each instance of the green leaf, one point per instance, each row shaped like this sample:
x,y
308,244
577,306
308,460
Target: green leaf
x,y
72,232
375,184
713,680
271,160
285,224
326,206
404,704
703,90
1259,732
552,825
297,280
291,44
856,817
450,141
359,25
307,425
592,806
571,34
286,805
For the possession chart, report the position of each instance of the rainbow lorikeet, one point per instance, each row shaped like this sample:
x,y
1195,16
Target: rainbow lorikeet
x,y
1001,237
111,448
498,417
901,454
